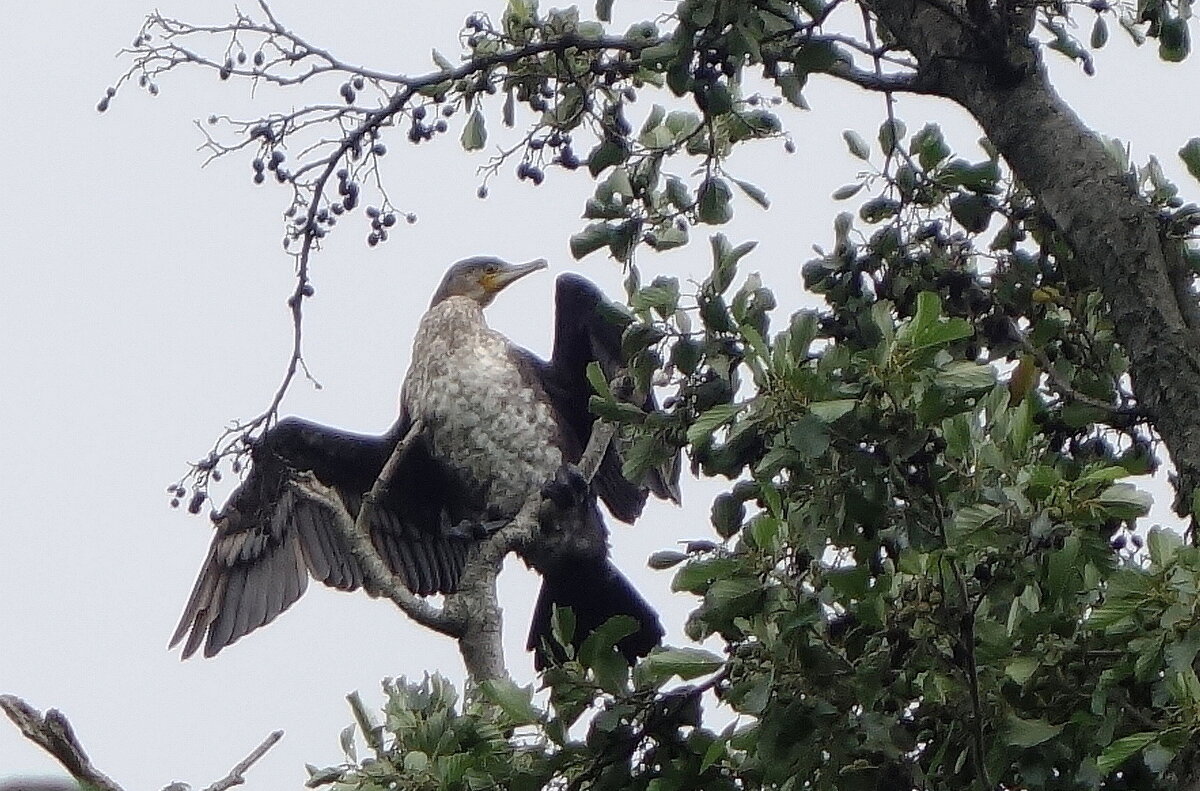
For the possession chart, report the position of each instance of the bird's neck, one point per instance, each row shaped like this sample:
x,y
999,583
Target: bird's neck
x,y
451,316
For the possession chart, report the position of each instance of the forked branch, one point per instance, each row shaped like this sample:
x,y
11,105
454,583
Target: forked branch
x,y
54,734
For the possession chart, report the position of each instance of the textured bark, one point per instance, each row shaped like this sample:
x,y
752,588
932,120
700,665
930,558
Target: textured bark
x,y
983,62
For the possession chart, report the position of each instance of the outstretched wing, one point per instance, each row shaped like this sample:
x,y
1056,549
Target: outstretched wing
x,y
587,328
270,538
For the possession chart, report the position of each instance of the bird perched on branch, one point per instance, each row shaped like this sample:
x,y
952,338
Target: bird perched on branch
x,y
497,426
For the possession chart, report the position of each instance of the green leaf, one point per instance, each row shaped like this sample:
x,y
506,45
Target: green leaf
x,y
665,559
598,381
687,663
667,237
1121,750
608,152
929,146
971,518
415,761
508,114
1164,545
474,133
891,132
562,626
707,423
791,85
847,191
597,652
713,203
809,436
1021,669
590,239
727,514
516,702
697,575
857,145
662,295
972,212
942,333
965,376
754,193
1029,733
829,411
1185,687
1099,32
1190,154
1174,41
1125,501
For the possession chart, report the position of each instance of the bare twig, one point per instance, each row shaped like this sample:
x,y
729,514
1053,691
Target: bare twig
x,y
53,733
236,774
284,58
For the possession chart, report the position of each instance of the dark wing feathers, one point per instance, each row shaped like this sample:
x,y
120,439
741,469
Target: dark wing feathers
x,y
270,538
587,327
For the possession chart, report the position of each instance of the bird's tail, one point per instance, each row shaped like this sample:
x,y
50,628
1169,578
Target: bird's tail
x,y
594,595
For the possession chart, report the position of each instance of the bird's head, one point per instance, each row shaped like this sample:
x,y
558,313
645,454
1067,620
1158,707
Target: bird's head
x,y
482,278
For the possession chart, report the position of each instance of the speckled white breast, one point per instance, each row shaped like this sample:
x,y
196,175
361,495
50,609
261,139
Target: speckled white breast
x,y
483,419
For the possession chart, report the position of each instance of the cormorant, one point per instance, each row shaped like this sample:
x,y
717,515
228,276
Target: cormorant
x,y
499,425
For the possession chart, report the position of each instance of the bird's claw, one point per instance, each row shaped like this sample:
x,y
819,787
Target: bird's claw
x,y
470,530
568,490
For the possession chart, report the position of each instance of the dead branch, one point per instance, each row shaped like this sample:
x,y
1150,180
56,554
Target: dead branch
x,y
53,733
236,774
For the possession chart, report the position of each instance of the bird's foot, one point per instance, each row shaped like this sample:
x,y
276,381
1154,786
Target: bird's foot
x,y
565,494
471,530
568,490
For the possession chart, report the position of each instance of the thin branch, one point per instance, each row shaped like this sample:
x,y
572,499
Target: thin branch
x,y
967,641
53,733
890,83
375,570
236,774
357,533
1118,416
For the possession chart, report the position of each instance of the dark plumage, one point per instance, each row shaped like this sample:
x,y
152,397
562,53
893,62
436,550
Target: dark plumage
x,y
499,425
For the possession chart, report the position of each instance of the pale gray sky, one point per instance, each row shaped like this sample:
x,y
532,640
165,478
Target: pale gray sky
x,y
142,307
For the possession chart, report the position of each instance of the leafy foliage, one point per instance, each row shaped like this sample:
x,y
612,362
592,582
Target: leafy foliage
x,y
926,572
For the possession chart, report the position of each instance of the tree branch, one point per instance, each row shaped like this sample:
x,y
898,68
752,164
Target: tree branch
x,y
357,533
236,774
879,82
53,733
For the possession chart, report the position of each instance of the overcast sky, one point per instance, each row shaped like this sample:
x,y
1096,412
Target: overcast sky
x,y
142,308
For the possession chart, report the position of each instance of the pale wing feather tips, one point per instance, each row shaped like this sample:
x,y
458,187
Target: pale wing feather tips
x,y
270,538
